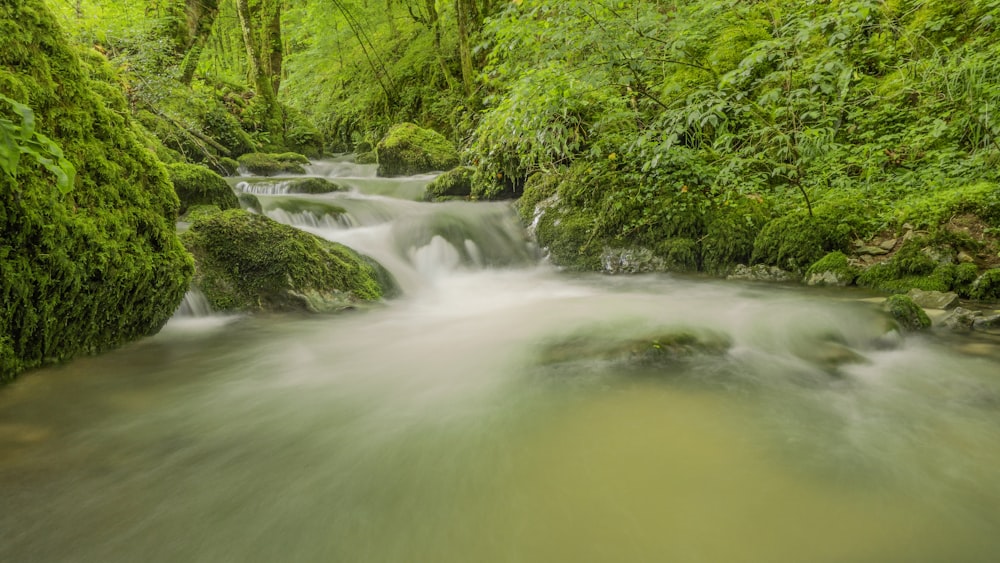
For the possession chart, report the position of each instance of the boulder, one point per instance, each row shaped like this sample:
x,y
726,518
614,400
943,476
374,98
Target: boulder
x,y
959,320
266,164
987,286
94,263
247,263
906,313
933,299
313,186
833,269
456,183
197,185
408,149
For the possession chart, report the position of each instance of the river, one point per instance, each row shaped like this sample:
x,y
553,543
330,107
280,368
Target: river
x,y
498,412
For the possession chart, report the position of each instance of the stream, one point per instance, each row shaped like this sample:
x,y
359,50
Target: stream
x,y
501,411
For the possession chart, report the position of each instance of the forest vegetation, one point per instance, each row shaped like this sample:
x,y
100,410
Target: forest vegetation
x,y
854,137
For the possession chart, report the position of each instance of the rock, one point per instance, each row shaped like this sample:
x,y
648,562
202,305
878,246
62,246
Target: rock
x,y
761,272
197,185
408,149
965,258
940,254
631,261
99,265
249,202
265,164
872,250
987,286
249,263
959,320
933,299
834,269
366,158
990,323
907,313
888,244
313,186
456,183
654,348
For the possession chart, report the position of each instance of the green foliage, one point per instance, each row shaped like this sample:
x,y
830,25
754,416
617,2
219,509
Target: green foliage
x,y
456,183
96,266
17,139
730,232
197,185
248,262
409,149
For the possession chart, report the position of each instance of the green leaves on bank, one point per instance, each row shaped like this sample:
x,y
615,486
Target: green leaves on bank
x,y
22,138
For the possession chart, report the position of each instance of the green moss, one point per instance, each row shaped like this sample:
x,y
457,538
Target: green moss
x,y
408,149
679,254
794,242
987,287
197,185
197,212
539,187
965,275
249,202
225,166
366,158
454,183
101,265
313,186
907,313
264,164
730,233
909,268
834,263
568,237
248,262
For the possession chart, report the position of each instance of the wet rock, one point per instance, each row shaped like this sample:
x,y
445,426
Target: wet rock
x,y
834,269
990,323
313,186
959,320
933,299
636,260
940,254
888,244
456,183
761,272
267,164
907,313
655,348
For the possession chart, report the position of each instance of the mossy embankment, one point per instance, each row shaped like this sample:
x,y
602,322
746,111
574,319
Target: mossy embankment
x,y
99,265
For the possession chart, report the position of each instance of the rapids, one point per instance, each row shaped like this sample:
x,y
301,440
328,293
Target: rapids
x,y
465,421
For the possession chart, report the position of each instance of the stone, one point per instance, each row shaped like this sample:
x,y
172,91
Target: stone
x,y
872,251
907,313
888,244
829,278
965,258
631,261
933,299
408,149
990,323
959,320
761,272
940,254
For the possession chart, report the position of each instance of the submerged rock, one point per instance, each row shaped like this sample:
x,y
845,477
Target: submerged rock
x,y
654,348
907,313
408,149
249,263
313,186
959,320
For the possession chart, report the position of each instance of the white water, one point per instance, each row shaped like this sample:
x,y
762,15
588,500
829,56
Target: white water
x,y
471,420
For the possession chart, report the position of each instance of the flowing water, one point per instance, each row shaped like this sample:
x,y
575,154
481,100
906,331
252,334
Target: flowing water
x,y
500,411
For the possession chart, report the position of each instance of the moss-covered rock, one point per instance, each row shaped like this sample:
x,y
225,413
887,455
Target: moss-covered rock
x,y
197,212
911,267
456,183
250,202
908,314
568,237
833,269
368,157
197,185
99,265
794,242
313,186
538,188
225,166
987,286
650,348
266,164
408,149
731,229
248,262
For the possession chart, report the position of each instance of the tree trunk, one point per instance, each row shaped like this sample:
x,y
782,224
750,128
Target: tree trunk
x,y
465,18
200,19
272,50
